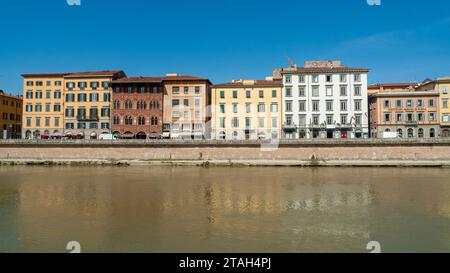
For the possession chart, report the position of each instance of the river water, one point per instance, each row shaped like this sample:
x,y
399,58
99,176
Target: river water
x,y
224,209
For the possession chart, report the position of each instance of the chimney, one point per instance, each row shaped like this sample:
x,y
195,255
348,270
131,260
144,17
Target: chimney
x,y
171,75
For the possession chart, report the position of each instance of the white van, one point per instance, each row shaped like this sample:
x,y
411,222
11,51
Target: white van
x,y
107,137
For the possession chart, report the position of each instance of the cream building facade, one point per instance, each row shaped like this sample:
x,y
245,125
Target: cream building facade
x,y
247,109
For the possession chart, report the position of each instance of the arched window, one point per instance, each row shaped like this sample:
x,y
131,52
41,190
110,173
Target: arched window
x,y
410,133
116,120
116,104
400,133
128,120
421,134
128,104
154,121
141,121
387,130
432,133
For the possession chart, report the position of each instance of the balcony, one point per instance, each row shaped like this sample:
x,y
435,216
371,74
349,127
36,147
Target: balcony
x,y
88,118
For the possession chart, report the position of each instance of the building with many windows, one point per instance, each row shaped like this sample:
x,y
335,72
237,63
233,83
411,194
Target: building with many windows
x,y
186,102
400,110
11,116
441,85
137,107
247,109
43,101
70,103
324,99
87,103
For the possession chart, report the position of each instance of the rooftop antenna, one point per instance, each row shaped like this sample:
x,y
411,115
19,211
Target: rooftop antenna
x,y
291,62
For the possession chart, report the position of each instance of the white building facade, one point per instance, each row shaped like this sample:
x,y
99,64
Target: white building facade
x,y
324,99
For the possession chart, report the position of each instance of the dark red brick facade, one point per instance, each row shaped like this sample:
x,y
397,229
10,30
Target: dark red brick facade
x,y
137,108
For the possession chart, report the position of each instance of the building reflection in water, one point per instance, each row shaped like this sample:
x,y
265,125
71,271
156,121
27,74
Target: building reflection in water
x,y
225,209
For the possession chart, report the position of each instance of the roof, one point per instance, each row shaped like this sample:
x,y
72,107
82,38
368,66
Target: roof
x,y
108,73
411,93
312,70
256,83
158,79
376,86
4,94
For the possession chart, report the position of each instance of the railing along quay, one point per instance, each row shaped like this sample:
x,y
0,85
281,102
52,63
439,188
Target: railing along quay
x,y
227,143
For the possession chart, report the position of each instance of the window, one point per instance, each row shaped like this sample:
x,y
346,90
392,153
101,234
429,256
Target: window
x,y
329,78
116,120
235,108
288,93
399,117
116,104
315,91
47,107
128,104
387,104
128,120
445,90
38,108
302,120
29,95
330,119
81,97
432,116
343,105
421,133
235,94
358,119
141,121
175,90
288,106
235,122
274,122
82,85
38,122
357,90
248,123
343,90
186,102
315,105
105,85
431,103
301,78
420,117
222,108
39,83
357,77
70,126
248,107
315,78
30,83
274,93
222,94
105,112
106,97
445,104
248,94
329,91
197,102
186,114
175,103
419,103
387,117
432,133
261,122
56,108
261,107
197,90
70,85
398,103
186,90
289,120
222,122
329,105
93,97
47,94
315,120
343,78
301,91
93,85
302,106
39,95
343,119
70,112
154,121
104,125
261,94
409,103
357,105
288,79
70,97
274,107
47,121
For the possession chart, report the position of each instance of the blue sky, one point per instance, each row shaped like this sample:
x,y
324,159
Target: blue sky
x,y
400,41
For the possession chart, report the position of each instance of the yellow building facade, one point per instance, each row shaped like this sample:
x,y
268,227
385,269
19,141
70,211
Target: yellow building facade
x,y
247,109
42,104
87,103
69,103
11,116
